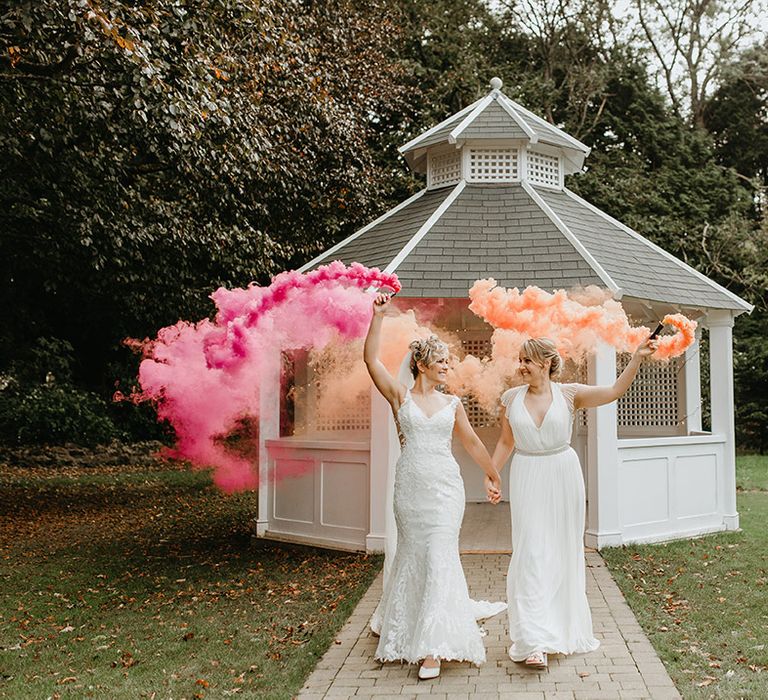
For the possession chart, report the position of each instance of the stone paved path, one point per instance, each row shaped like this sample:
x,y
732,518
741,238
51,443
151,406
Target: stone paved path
x,y
625,665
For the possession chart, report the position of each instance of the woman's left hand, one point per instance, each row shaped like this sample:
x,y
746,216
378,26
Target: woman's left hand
x,y
646,348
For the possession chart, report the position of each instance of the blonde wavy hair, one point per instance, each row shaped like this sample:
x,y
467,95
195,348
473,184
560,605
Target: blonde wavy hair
x,y
540,350
426,351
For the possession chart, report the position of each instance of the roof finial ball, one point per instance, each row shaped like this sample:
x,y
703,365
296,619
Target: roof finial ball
x,y
496,83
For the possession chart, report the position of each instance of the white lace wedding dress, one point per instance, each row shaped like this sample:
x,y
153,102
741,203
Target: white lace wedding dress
x,y
548,609
425,609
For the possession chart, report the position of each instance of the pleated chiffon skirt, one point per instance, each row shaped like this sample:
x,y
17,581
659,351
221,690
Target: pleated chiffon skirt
x,y
546,593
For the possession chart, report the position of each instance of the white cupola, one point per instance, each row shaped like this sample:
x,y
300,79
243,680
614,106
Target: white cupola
x,y
495,140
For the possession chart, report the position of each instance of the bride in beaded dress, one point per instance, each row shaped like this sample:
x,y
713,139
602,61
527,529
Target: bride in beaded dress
x,y
546,597
425,613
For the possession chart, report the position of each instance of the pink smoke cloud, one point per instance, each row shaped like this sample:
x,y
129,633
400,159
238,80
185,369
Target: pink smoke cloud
x,y
205,377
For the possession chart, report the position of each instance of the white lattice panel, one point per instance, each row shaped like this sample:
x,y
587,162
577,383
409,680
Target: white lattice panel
x,y
355,415
543,169
444,169
652,404
492,164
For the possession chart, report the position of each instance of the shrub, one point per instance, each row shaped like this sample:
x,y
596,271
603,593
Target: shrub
x,y
47,358
54,414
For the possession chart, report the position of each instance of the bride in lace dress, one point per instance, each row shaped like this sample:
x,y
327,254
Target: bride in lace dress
x,y
425,613
546,597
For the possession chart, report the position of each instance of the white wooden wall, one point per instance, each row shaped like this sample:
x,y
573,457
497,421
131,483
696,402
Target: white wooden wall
x,y
319,492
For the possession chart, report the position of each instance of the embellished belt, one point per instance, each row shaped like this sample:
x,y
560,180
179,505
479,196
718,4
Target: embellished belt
x,y
543,453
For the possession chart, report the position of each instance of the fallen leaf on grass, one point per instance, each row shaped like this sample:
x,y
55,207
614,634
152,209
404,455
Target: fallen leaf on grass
x,y
708,680
68,679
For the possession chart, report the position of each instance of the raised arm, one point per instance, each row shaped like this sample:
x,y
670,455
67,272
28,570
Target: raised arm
x,y
388,386
474,446
592,396
504,446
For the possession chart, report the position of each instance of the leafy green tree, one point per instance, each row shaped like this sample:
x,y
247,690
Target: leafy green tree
x,y
153,151
736,116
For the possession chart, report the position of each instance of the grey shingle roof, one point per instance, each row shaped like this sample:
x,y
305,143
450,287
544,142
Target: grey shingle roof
x,y
492,231
441,134
546,132
378,246
634,264
500,231
494,123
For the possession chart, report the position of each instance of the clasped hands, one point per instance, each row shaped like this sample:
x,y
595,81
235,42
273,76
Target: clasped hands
x,y
493,488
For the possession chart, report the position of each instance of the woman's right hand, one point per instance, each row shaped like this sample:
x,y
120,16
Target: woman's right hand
x,y
381,304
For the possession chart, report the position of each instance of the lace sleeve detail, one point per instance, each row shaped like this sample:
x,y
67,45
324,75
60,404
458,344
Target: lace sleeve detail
x,y
569,393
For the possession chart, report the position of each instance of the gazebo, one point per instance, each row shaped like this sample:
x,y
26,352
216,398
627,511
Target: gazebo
x,y
496,205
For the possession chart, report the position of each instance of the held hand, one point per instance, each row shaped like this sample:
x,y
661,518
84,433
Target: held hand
x,y
493,488
381,304
646,348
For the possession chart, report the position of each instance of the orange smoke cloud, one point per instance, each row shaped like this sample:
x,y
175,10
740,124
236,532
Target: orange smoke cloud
x,y
574,326
485,378
576,321
673,345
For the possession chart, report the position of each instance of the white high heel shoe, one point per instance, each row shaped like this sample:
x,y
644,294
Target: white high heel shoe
x,y
427,673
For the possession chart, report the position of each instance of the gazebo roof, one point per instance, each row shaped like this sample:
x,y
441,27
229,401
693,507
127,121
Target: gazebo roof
x,y
510,217
494,117
439,241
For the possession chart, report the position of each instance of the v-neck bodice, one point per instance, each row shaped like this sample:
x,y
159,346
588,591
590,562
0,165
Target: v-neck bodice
x,y
556,426
422,432
546,413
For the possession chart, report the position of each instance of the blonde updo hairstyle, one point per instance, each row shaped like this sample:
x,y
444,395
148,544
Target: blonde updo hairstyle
x,y
539,350
426,351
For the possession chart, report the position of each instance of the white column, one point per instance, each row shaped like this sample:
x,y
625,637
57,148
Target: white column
x,y
720,324
385,449
692,378
269,429
603,521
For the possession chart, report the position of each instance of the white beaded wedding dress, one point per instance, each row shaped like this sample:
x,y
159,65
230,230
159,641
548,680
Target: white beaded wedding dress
x,y
546,597
425,609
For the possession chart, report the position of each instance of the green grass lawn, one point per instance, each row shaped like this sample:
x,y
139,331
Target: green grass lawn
x,y
752,472
704,602
147,582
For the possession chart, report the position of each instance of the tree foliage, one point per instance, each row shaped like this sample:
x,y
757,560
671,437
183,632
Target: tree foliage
x,y
692,41
737,116
154,150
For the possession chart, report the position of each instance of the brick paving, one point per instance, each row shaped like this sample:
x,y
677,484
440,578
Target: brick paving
x,y
625,665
